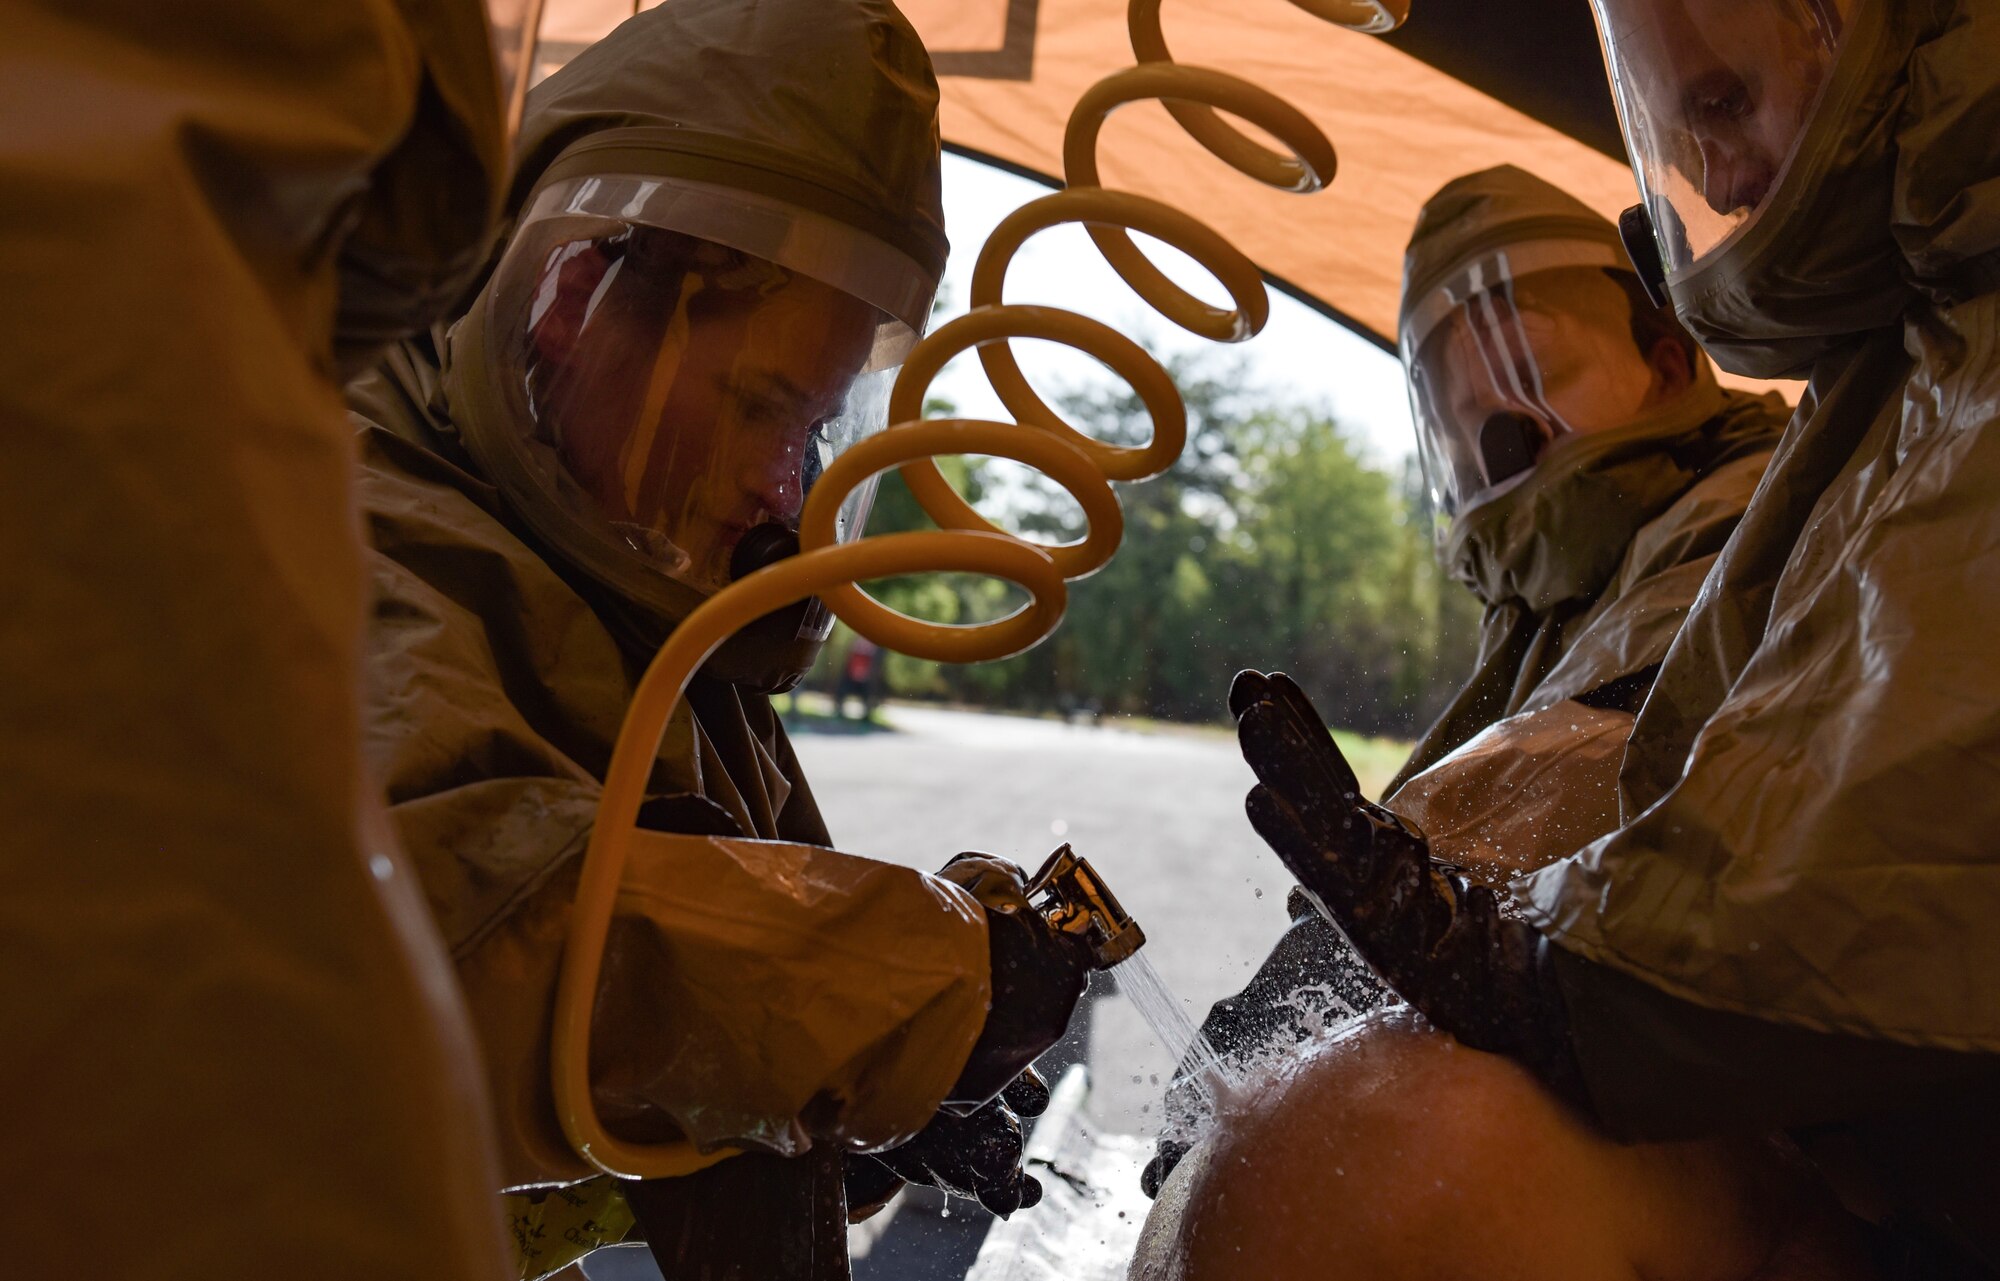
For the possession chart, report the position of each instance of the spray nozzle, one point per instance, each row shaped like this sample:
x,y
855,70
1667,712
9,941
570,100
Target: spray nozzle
x,y
1070,895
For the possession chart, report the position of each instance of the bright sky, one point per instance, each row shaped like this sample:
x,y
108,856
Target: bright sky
x,y
1300,356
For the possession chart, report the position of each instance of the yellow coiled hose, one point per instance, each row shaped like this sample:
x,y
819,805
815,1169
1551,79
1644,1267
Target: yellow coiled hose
x,y
966,542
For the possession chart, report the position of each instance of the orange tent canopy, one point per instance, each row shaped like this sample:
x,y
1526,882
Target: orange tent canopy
x,y
1012,69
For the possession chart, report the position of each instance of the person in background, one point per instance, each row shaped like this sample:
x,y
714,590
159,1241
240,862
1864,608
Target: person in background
x,y
857,677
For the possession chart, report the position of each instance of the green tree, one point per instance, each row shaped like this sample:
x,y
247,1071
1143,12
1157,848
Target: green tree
x,y
942,598
1271,542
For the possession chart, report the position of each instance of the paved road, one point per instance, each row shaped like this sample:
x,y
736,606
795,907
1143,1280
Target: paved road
x,y
1159,814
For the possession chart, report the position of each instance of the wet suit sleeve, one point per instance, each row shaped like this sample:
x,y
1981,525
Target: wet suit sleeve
x,y
771,993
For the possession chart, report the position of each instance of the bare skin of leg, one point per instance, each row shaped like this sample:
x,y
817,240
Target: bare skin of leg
x,y
1395,1154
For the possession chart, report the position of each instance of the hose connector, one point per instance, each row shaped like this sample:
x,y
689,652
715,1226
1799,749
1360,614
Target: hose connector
x,y
1070,895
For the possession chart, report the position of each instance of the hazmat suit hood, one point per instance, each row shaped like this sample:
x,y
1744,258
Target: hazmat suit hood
x,y
1558,532
828,104
1489,210
421,220
798,104
1883,202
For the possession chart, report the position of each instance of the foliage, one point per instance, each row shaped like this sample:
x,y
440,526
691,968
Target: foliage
x,y
1272,542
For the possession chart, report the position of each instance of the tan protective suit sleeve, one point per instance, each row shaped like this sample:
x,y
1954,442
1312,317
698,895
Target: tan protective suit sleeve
x,y
1523,792
769,994
1831,824
228,1027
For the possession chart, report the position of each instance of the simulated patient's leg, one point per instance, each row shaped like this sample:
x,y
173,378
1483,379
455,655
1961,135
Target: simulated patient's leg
x,y
1396,1153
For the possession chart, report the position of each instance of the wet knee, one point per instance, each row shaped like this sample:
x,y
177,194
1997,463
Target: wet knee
x,y
1390,1152
1394,1152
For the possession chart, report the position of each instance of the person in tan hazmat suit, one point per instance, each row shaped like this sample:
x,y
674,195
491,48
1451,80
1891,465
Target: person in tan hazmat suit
x,y
1793,931
726,231
230,1025
1585,468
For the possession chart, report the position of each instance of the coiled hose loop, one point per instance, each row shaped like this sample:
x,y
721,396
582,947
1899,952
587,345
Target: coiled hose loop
x,y
965,541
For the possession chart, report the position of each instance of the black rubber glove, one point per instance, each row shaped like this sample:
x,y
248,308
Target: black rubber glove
x,y
977,1157
1039,974
1439,941
1310,979
972,1147
869,1186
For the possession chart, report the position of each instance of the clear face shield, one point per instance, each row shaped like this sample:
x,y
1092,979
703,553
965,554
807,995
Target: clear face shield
x,y
1713,96
1523,348
677,362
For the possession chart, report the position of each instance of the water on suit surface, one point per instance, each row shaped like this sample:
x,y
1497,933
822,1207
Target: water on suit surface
x,y
1179,1037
